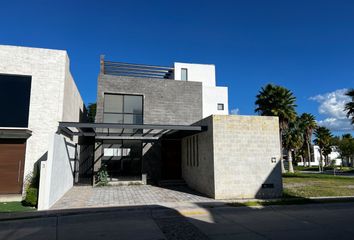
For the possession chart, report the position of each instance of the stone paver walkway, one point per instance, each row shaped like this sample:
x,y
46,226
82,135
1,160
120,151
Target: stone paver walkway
x,y
87,196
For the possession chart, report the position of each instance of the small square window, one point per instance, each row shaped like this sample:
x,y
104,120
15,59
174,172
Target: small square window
x,y
220,106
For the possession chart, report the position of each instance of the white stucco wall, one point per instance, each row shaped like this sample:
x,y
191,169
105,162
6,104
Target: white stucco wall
x,y
211,97
56,172
197,72
51,86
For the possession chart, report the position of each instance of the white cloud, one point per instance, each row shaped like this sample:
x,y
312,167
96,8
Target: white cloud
x,y
235,111
332,106
336,124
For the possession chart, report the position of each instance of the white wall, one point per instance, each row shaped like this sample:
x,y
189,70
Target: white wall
x,y
211,97
197,72
57,172
334,155
51,86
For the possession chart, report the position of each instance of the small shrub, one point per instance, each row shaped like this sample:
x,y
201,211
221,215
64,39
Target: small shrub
x,y
31,198
102,176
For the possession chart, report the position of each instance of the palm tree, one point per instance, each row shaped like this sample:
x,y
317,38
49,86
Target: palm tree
x,y
277,101
293,140
349,107
323,140
308,123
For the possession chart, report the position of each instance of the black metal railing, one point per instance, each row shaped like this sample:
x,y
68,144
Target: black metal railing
x,y
136,70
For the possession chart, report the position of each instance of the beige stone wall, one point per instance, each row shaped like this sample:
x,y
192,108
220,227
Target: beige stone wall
x,y
243,150
73,106
50,75
236,158
200,175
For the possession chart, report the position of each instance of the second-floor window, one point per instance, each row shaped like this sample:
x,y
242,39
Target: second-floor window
x,y
184,74
15,94
125,109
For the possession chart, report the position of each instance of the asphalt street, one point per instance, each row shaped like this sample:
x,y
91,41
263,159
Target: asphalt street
x,y
193,221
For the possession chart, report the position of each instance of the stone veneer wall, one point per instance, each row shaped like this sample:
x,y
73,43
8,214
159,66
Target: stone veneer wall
x,y
54,95
200,176
241,158
243,150
165,101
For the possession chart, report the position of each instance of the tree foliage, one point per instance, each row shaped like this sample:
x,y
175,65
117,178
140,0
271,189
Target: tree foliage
x,y
273,100
308,124
91,112
349,107
293,140
278,101
323,138
346,147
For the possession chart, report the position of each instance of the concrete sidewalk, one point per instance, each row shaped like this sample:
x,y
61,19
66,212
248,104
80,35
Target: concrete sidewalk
x,y
189,221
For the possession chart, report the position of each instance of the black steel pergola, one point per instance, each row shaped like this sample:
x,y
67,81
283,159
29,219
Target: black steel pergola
x,y
135,70
115,131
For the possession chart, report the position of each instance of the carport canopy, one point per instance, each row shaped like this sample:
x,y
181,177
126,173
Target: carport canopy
x,y
112,131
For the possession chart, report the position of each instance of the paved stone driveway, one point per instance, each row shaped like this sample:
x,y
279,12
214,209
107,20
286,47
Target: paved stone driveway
x,y
87,196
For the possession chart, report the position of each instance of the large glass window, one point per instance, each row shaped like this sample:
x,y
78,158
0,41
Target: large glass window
x,y
127,109
122,159
15,94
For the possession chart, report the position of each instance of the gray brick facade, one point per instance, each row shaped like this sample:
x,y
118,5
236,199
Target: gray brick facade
x,y
165,101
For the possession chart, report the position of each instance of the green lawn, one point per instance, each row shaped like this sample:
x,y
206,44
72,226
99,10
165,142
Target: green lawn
x,y
341,169
298,187
317,185
14,207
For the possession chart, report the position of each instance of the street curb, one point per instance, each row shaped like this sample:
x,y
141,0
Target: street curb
x,y
74,211
166,209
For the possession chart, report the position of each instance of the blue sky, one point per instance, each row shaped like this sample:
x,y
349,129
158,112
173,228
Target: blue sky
x,y
306,46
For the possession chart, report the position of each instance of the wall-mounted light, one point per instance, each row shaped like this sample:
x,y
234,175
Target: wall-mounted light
x,y
274,159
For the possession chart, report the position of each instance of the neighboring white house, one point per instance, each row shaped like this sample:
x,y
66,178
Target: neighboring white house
x,y
333,157
37,91
215,99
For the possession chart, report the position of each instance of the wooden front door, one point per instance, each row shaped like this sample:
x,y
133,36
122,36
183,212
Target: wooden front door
x,y
12,158
171,159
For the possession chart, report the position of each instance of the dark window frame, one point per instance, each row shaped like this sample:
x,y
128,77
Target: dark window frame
x,y
25,122
124,113
222,107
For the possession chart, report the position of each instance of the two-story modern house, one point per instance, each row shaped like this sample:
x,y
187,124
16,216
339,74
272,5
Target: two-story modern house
x,y
143,94
157,123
